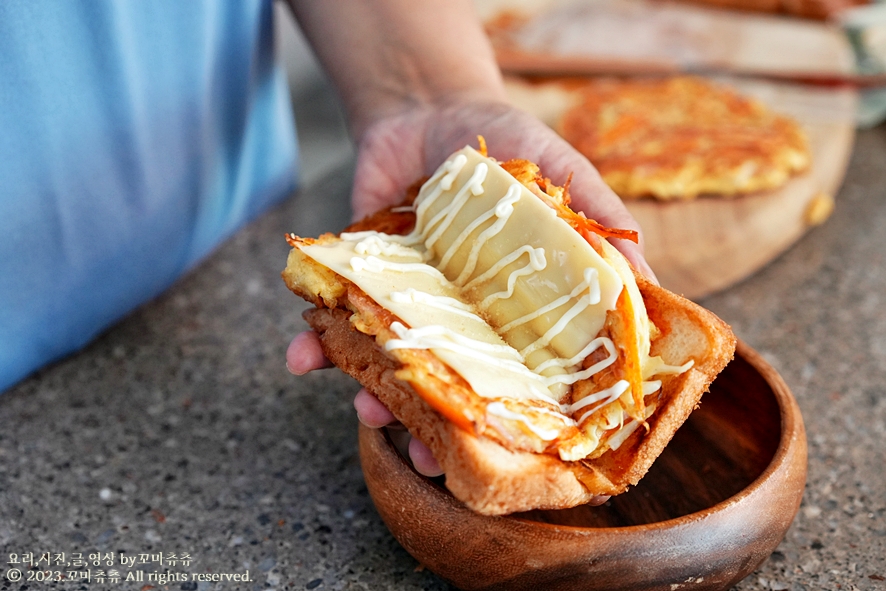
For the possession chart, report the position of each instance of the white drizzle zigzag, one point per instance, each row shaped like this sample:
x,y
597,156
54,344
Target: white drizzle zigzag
x,y
426,233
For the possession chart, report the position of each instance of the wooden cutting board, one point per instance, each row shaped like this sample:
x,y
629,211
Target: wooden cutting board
x,y
565,36
700,246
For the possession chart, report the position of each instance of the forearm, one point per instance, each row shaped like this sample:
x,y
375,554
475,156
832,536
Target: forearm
x,y
387,55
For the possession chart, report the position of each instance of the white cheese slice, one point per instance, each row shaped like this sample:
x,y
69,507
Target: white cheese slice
x,y
509,285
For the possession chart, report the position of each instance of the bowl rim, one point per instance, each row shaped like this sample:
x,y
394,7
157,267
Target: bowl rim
x,y
792,429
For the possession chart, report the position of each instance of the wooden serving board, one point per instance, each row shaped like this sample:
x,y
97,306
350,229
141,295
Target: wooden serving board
x,y
701,246
658,36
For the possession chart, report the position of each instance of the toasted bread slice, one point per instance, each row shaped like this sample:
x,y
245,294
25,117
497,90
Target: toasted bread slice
x,y
524,456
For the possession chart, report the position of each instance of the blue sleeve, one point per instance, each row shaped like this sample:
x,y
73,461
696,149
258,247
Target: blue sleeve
x,y
134,137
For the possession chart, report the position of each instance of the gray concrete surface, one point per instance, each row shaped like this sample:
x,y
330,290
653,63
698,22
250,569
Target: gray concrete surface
x,y
180,431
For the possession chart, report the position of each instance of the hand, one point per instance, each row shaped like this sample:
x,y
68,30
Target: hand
x,y
398,149
415,93
304,354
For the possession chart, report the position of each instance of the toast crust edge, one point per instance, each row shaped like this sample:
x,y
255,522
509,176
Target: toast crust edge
x,y
493,480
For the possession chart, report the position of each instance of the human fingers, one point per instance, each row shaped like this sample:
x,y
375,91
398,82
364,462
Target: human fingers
x,y
510,133
371,411
591,195
374,414
389,159
304,354
634,254
422,459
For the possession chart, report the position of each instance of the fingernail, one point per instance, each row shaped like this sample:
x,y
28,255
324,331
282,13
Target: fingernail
x,y
649,273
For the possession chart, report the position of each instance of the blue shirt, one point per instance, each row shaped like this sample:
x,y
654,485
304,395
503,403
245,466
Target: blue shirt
x,y
134,137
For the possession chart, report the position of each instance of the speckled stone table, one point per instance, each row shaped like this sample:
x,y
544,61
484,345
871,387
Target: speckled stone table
x,y
180,432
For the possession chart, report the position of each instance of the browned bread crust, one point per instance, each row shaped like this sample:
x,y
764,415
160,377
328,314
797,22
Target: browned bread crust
x,y
496,469
483,474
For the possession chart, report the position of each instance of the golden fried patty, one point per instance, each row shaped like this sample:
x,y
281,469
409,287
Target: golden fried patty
x,y
680,137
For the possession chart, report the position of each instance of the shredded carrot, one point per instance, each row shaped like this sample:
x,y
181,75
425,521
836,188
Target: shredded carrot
x,y
567,198
624,307
583,224
482,141
602,230
438,399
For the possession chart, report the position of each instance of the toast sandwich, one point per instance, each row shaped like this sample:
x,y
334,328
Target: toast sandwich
x,y
507,334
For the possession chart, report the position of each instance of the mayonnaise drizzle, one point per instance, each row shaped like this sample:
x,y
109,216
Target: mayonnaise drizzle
x,y
428,232
421,245
413,296
575,310
590,282
376,245
445,217
440,337
585,373
622,434
546,411
651,387
627,428
377,265
498,409
537,262
603,397
428,337
665,369
502,210
446,174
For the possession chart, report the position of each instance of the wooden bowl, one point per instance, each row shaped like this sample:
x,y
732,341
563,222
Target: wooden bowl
x,y
714,505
